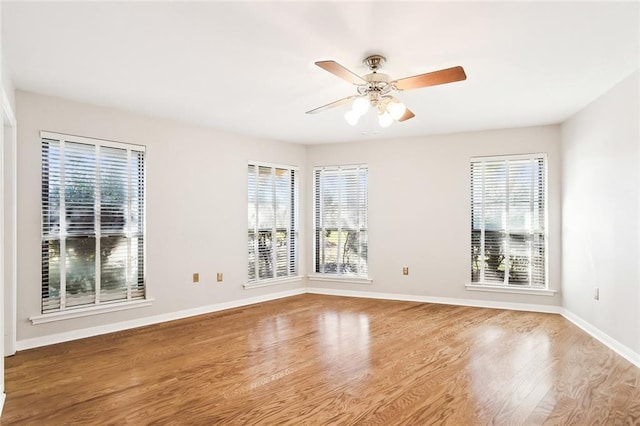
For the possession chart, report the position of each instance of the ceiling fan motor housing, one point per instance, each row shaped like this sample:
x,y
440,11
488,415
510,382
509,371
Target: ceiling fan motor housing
x,y
378,85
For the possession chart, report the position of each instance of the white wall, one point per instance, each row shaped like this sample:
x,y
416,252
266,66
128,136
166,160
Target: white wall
x,y
419,209
9,213
196,207
601,181
5,75
7,116
2,281
7,85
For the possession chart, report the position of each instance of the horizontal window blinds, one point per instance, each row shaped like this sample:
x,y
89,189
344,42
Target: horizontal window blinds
x,y
340,220
508,221
92,222
272,222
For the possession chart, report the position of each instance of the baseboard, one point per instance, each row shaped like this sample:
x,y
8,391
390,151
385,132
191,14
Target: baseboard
x,y
439,300
141,322
596,333
3,397
603,337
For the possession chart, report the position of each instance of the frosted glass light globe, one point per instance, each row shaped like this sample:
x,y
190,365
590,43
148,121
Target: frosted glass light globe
x,y
352,117
396,110
361,105
385,119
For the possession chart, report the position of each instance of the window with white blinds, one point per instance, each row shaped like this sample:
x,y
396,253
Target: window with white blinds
x,y
340,220
272,222
508,221
93,210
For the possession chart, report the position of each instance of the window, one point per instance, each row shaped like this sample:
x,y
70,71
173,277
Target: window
x,y
273,222
92,222
340,220
508,221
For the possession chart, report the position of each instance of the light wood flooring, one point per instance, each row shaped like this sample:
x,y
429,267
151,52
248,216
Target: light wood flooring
x,y
315,359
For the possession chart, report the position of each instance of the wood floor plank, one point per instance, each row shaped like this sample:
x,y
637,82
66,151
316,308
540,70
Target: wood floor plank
x,y
315,359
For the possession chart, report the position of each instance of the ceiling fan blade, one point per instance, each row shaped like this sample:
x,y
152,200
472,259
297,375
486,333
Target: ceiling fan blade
x,y
407,115
448,75
336,69
331,105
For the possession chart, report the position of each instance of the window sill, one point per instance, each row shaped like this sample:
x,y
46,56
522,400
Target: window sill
x,y
340,278
89,310
274,281
510,289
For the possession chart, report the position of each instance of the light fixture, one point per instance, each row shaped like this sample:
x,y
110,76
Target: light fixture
x,y
359,108
361,105
352,117
389,109
385,119
396,109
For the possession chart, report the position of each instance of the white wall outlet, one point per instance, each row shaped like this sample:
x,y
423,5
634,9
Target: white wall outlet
x,y
596,293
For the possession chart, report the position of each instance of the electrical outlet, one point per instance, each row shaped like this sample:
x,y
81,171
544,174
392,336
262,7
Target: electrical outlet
x,y
196,277
219,277
405,270
596,293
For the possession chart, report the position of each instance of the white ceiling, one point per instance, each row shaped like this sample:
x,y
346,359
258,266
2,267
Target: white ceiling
x,y
248,67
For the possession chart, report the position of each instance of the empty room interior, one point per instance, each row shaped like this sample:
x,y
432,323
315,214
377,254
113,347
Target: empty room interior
x,y
366,212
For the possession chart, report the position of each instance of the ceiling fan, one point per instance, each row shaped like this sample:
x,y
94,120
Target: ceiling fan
x,y
375,90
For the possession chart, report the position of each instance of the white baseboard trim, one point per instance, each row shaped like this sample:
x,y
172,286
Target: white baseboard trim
x,y
3,397
593,331
141,322
439,300
603,337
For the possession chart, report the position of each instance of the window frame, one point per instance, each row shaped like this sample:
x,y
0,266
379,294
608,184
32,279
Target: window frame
x,y
97,306
318,275
506,287
292,230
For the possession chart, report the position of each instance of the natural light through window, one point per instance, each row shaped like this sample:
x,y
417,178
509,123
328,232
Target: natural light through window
x,y
508,221
93,207
340,220
272,223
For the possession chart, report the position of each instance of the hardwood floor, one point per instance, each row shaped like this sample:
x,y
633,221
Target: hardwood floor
x,y
314,359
